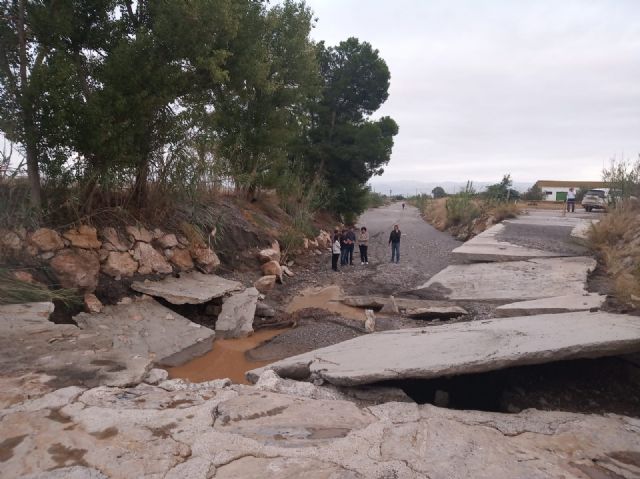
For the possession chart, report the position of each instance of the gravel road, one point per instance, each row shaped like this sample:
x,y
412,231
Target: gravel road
x,y
424,251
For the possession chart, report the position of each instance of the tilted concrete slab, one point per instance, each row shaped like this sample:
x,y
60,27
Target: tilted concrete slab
x,y
190,288
25,315
236,318
412,307
511,281
487,247
149,330
464,348
557,304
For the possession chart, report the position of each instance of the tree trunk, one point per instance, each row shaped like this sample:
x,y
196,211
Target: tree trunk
x,y
141,187
30,141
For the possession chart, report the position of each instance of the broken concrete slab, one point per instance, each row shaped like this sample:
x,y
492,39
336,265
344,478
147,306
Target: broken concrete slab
x,y
433,312
407,305
510,281
464,348
21,315
236,318
487,247
189,288
147,329
214,430
580,231
557,304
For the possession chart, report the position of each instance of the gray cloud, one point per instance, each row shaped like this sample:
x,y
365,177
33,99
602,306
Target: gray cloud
x,y
484,87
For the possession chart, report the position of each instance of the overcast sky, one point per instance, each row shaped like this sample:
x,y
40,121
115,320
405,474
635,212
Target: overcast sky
x,y
541,89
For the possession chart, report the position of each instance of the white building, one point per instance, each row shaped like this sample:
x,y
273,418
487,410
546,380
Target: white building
x,y
553,190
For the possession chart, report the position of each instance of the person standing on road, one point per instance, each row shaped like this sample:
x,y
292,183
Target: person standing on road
x,y
571,201
394,241
403,206
363,244
335,250
343,247
351,244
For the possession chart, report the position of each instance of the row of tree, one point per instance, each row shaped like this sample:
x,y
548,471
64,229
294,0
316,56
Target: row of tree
x,y
113,94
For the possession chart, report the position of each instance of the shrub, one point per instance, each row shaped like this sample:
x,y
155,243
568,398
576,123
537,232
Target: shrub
x,y
13,290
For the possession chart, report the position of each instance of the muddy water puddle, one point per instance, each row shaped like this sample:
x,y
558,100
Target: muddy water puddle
x,y
327,298
225,360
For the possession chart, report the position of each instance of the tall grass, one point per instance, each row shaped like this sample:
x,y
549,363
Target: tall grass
x,y
616,240
13,290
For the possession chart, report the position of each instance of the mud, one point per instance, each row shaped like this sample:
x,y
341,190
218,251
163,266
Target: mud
x,y
226,359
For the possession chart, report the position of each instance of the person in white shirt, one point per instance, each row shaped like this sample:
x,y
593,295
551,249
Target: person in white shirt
x,y
335,250
571,200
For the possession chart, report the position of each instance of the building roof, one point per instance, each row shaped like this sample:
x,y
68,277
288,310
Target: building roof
x,y
576,184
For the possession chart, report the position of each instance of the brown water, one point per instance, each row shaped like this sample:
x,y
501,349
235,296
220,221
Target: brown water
x,y
225,360
327,298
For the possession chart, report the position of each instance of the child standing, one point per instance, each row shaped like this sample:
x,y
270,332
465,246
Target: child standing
x,y
335,250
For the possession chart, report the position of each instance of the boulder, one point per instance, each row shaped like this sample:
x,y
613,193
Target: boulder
x,y
206,260
46,239
272,268
77,269
84,236
264,310
150,260
10,242
324,239
156,376
269,254
465,348
25,277
168,241
189,288
92,304
287,271
236,317
119,265
265,284
139,233
113,241
181,259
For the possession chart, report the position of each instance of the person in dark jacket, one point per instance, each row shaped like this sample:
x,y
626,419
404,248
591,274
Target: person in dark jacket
x,y
394,241
344,247
351,244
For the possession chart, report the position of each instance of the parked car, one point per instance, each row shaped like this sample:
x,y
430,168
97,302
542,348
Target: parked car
x,y
595,200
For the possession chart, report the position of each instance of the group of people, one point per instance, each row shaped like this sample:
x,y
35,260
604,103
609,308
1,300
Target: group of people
x,y
344,244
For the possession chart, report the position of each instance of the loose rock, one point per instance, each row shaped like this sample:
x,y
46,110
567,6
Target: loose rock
x,y
76,269
120,265
139,233
46,239
92,304
150,260
83,237
265,284
206,260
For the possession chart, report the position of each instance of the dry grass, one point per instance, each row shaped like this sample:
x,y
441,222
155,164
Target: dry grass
x,y
13,290
616,240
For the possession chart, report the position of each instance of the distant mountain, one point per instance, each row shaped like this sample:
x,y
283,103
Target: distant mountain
x,y
411,187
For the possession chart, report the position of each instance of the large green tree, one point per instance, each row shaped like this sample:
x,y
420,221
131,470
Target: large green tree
x,y
347,147
263,107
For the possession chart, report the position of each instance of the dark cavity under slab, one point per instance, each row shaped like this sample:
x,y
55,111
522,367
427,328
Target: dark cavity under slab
x,y
595,386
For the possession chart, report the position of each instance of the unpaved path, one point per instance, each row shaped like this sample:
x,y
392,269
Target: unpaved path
x,y
423,252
